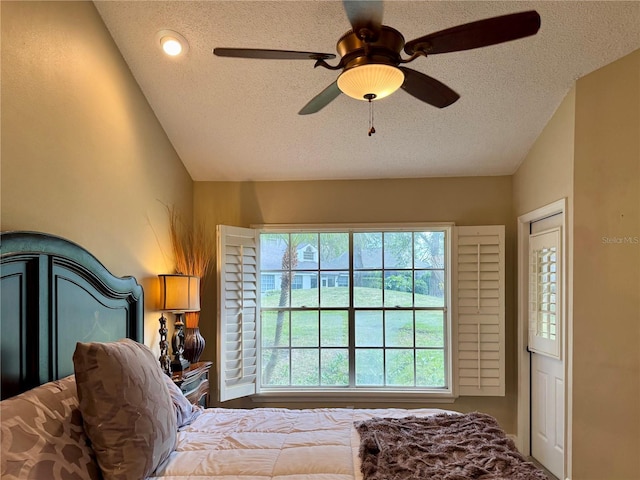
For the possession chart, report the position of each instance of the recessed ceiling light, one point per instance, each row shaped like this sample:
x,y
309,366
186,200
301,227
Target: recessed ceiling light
x,y
172,43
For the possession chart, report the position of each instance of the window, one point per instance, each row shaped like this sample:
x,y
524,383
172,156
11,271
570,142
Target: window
x,y
388,330
309,254
298,281
267,283
368,311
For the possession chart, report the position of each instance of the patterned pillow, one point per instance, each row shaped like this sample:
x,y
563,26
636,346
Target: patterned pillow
x,y
42,435
126,407
186,412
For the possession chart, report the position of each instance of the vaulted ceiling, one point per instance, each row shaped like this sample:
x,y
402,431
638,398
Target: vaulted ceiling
x,y
237,119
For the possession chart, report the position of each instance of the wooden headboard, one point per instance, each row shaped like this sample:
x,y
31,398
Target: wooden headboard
x,y
54,294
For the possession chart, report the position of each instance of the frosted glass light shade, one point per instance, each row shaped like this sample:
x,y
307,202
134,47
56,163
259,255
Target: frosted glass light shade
x,y
378,79
179,293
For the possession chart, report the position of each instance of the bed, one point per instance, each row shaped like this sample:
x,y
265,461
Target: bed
x,y
83,398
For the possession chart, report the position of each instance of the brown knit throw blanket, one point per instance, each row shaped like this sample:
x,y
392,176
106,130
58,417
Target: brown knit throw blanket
x,y
442,447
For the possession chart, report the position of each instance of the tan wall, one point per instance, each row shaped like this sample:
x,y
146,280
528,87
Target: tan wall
x,y
546,174
589,152
83,155
606,340
466,201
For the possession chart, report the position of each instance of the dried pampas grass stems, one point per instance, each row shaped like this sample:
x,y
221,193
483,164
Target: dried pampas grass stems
x,y
193,251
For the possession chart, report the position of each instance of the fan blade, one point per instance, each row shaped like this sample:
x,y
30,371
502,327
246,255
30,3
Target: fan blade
x,y
270,54
427,88
478,34
321,100
364,14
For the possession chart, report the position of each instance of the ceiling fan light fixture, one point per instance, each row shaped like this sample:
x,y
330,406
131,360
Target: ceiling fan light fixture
x,y
172,43
378,79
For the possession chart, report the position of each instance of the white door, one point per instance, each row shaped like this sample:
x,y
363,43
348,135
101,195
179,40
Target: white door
x,y
545,344
547,413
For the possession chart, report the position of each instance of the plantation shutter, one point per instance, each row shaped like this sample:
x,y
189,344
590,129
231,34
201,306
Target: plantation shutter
x,y
478,293
238,311
545,293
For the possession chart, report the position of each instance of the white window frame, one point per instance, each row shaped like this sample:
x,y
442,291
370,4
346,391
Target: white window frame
x,y
488,381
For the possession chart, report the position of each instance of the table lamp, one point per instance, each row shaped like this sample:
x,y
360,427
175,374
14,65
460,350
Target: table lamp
x,y
179,294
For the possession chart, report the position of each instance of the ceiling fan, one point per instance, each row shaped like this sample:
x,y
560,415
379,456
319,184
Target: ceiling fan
x,y
370,60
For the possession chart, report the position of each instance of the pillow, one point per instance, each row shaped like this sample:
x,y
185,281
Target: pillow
x,y
42,435
186,412
126,407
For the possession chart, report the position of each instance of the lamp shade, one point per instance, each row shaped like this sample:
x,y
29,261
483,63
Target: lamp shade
x,y
377,79
179,293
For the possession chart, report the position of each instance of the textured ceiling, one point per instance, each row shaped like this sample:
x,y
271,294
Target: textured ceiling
x,y
236,119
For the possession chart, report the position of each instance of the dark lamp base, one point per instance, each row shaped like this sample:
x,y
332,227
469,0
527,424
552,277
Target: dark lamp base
x,y
179,364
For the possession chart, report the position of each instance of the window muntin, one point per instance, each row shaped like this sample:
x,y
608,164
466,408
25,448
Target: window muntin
x,y
375,314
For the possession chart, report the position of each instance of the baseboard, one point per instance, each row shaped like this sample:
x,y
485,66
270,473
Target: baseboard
x,y
515,439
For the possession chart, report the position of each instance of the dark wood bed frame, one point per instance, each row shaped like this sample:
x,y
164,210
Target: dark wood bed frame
x,y
54,294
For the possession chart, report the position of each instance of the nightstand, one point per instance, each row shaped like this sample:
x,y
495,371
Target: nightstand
x,y
194,383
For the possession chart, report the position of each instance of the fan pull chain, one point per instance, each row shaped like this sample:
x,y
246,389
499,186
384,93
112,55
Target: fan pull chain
x,y
370,97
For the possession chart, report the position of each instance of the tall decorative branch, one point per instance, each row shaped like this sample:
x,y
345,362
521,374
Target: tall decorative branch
x,y
193,251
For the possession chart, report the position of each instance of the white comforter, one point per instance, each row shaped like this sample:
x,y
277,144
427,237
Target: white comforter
x,y
270,443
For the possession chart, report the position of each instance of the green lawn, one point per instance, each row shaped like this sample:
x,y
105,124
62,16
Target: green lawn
x,y
313,348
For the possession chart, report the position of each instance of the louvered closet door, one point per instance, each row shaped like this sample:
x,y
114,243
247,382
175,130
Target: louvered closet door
x,y
479,302
237,269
